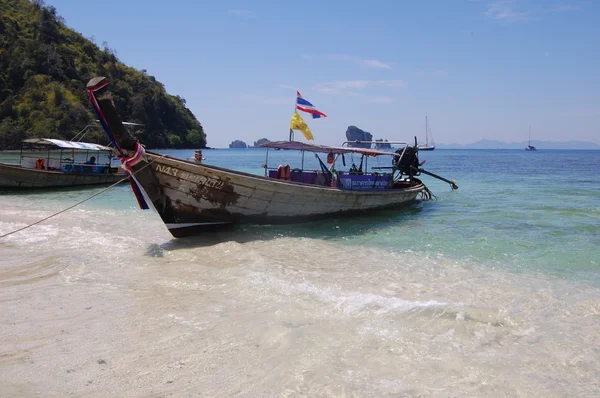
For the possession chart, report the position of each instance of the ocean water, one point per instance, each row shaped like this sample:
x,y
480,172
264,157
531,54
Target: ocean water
x,y
490,290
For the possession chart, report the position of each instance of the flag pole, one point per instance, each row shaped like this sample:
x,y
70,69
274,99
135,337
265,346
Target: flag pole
x,y
295,104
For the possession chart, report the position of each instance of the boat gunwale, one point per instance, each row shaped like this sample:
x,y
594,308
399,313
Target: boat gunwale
x,y
20,167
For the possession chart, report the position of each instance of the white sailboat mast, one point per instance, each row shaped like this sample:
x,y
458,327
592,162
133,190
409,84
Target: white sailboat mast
x,y
426,132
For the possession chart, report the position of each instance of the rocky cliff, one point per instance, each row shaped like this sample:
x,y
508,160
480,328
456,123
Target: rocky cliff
x,y
353,133
258,143
381,143
238,144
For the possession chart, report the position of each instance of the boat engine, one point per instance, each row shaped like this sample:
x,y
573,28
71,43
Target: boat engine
x,y
405,163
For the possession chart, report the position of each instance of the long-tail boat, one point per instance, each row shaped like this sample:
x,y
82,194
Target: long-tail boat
x,y
52,163
191,197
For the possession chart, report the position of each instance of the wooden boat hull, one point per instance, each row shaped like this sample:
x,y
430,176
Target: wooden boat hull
x,y
15,176
192,197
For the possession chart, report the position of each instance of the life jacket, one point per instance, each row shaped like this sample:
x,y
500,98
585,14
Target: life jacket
x,y
39,163
330,157
284,172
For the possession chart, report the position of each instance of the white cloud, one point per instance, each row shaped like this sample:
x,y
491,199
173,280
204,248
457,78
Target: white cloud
x,y
341,86
374,63
371,63
521,10
353,86
382,100
506,10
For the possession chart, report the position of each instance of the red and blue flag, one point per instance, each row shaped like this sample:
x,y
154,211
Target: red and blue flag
x,y
305,106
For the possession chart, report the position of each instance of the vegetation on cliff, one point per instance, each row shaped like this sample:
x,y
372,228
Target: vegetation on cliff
x,y
44,67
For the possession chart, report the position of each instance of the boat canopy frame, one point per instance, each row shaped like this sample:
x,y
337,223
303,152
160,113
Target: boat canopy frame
x,y
345,148
336,150
51,146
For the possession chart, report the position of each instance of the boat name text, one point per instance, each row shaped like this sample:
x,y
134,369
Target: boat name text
x,y
196,179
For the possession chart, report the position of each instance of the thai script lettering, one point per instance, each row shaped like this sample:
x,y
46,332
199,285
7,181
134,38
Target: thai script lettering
x,y
366,182
194,178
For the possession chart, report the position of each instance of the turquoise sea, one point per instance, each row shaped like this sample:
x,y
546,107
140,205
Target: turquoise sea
x,y
490,290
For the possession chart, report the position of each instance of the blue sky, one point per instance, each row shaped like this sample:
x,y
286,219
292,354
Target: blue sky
x,y
478,69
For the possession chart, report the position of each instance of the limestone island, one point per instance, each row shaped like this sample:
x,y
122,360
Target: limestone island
x,y
258,143
353,133
381,143
238,144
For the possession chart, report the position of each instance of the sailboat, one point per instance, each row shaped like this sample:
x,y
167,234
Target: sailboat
x,y
429,144
529,146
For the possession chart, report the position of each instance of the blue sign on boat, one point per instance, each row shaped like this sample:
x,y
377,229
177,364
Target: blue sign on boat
x,y
363,182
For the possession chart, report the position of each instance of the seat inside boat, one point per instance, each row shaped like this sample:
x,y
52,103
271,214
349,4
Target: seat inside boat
x,y
304,177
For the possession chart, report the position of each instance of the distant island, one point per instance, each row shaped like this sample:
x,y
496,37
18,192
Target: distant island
x,y
242,144
353,133
238,144
381,143
540,145
258,143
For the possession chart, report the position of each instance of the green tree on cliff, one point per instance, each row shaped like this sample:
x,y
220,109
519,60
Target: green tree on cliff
x,y
44,67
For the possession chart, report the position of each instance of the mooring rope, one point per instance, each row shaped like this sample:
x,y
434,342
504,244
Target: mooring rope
x,y
78,203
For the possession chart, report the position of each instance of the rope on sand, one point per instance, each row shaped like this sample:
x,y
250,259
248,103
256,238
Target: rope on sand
x,y
76,204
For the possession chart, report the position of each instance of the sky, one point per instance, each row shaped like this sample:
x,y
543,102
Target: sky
x,y
477,69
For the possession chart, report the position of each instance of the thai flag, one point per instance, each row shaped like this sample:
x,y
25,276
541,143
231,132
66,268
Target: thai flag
x,y
305,106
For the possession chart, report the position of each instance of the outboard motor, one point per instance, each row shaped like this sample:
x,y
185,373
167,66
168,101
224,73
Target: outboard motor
x,y
404,163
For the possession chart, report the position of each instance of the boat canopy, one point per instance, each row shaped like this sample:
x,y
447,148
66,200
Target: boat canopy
x,y
62,144
336,150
